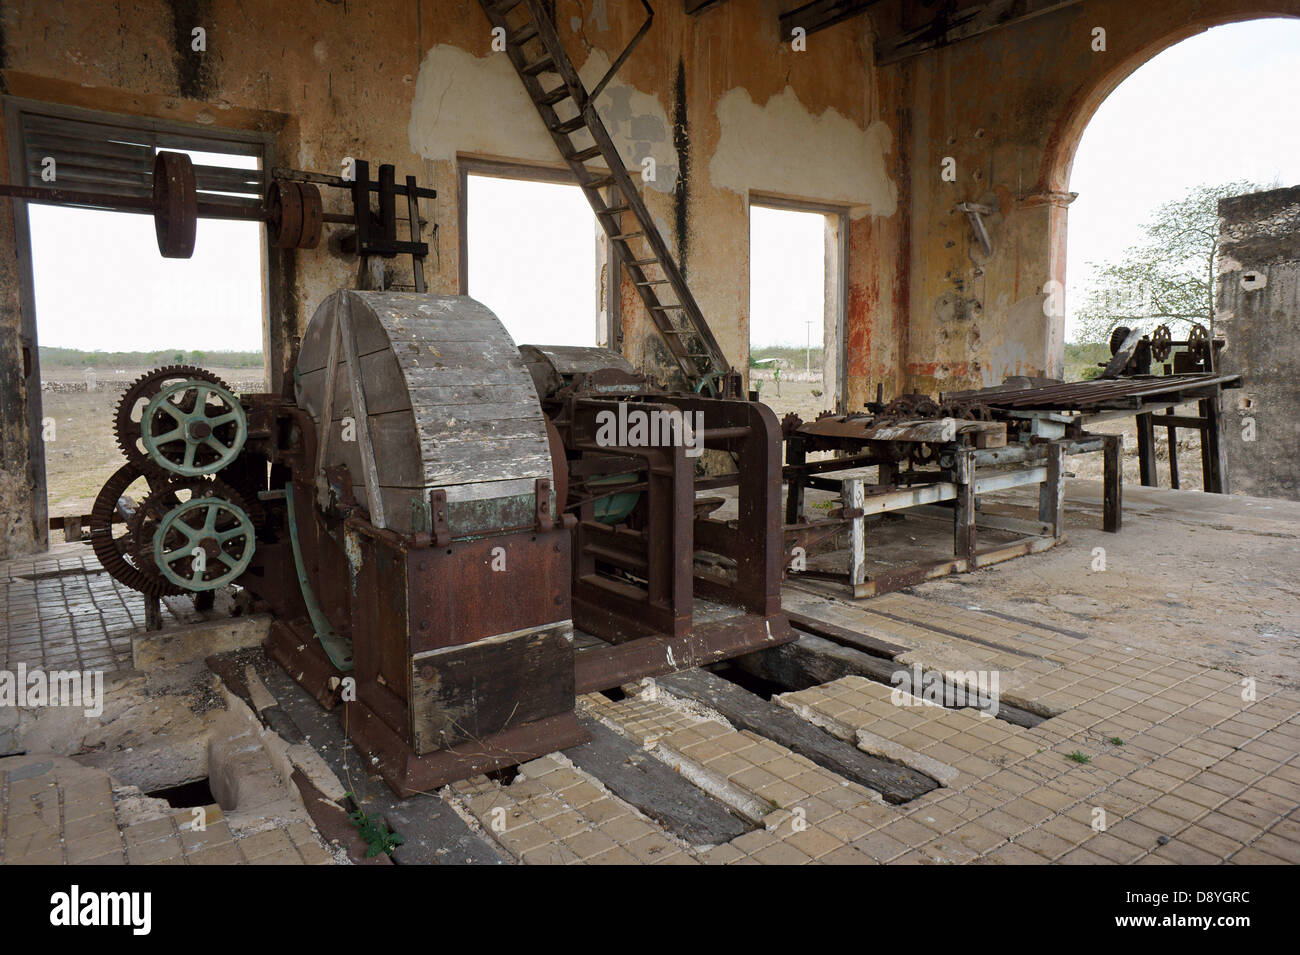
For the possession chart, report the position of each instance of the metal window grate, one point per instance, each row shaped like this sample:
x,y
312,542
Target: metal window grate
x,y
103,157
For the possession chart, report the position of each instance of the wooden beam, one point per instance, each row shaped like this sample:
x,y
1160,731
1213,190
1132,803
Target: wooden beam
x,y
811,661
660,792
699,6
820,14
748,711
949,28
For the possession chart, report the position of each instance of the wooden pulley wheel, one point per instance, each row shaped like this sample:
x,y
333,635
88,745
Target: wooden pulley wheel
x,y
284,213
293,214
175,205
312,216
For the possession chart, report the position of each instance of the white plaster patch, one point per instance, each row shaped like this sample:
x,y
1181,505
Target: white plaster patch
x,y
465,103
470,104
781,147
637,122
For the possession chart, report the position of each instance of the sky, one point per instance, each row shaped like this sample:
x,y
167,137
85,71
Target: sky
x,y
1218,107
532,259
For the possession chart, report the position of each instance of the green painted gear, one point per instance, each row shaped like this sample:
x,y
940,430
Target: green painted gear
x,y
182,434
220,528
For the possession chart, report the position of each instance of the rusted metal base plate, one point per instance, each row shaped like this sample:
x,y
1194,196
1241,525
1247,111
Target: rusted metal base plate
x,y
607,666
408,774
295,647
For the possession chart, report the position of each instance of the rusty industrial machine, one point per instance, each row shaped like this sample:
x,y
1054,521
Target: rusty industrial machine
x,y
433,510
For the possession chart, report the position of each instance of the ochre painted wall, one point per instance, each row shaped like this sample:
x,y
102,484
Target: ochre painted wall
x,y
1009,106
718,100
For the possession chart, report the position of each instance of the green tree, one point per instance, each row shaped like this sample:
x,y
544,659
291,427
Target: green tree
x,y
1167,277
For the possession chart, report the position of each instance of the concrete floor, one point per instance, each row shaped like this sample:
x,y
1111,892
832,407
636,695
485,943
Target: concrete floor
x,y
1143,664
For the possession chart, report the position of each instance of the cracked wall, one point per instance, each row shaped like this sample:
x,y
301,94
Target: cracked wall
x,y
1257,313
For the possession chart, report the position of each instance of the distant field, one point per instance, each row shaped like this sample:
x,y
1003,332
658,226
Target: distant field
x,y
83,453
56,358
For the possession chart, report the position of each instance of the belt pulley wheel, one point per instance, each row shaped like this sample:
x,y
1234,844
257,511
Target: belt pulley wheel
x,y
128,417
293,214
206,542
175,205
117,554
193,427
1198,343
1161,342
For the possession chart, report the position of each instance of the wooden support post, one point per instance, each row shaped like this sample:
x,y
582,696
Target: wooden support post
x,y
852,496
152,613
1214,461
1172,431
1051,493
1112,507
1147,451
795,453
964,509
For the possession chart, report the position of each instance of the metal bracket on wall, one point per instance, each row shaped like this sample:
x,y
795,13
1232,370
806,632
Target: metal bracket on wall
x,y
975,212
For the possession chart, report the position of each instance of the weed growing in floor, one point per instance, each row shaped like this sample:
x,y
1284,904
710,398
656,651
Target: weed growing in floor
x,y
1115,741
379,838
1079,757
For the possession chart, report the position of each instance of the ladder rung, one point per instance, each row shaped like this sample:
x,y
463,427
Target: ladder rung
x,y
667,308
624,236
523,35
505,6
641,263
582,155
570,125
653,282
554,96
545,65
614,211
600,182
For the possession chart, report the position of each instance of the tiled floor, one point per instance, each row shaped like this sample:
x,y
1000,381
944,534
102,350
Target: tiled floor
x,y
1168,743
54,811
61,610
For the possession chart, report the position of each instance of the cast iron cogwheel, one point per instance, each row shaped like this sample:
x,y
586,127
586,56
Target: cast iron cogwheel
x,y
127,430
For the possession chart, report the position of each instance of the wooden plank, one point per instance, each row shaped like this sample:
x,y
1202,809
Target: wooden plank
x,y
1051,493
660,792
963,25
370,473
811,661
1112,483
1147,451
898,784
853,499
820,14
470,692
844,636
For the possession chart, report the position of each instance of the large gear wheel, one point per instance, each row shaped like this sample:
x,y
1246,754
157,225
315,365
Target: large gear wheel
x,y
127,427
117,554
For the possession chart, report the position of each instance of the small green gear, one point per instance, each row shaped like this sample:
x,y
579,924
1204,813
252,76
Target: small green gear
x,y
204,543
193,427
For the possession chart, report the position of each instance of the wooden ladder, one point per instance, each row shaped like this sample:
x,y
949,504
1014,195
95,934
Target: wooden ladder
x,y
535,49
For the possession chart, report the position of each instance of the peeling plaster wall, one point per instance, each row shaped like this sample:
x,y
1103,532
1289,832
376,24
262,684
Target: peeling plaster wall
x,y
417,85
1257,313
1009,107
